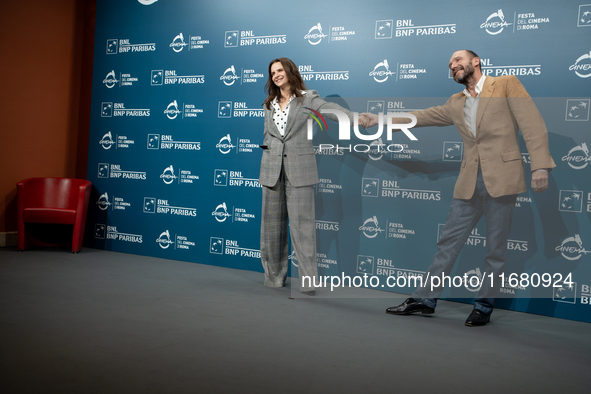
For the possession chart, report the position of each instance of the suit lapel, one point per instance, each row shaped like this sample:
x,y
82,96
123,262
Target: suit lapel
x,y
458,104
485,96
294,109
457,107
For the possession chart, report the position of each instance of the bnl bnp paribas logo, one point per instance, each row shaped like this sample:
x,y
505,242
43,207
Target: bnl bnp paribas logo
x,y
584,19
231,247
235,38
224,109
453,151
384,29
570,201
239,109
565,292
365,264
495,23
577,110
170,77
115,46
345,130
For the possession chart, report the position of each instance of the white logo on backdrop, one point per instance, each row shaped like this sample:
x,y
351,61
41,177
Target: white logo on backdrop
x,y
473,280
225,145
178,43
224,109
221,213
229,76
571,201
172,110
384,29
572,248
495,23
107,141
315,35
582,64
453,151
577,110
371,228
365,264
381,72
164,240
103,202
578,154
168,175
584,19
110,79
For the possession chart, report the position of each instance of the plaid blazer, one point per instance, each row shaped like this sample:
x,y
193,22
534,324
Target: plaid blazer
x,y
294,151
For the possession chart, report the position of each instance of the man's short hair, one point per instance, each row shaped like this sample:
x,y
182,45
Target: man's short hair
x,y
472,55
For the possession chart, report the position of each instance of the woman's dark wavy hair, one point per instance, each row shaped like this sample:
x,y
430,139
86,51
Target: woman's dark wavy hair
x,y
293,76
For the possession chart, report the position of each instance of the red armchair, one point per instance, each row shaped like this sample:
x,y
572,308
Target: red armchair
x,y
52,200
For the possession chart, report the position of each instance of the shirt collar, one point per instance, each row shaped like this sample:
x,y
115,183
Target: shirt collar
x,y
275,101
478,87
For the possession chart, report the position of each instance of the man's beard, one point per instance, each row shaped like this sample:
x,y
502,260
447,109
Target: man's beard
x,y
468,71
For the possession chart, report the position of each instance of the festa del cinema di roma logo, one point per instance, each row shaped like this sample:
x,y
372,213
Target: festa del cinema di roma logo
x,y
315,35
582,66
381,72
495,23
345,130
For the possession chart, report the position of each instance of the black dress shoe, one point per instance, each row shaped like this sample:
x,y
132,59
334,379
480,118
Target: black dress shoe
x,y
477,318
410,306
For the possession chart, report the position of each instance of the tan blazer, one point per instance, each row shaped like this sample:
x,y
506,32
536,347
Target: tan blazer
x,y
503,109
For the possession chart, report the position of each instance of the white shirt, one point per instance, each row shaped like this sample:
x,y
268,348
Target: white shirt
x,y
471,105
280,116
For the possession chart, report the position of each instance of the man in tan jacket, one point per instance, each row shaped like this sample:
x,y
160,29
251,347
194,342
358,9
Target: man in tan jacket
x,y
488,114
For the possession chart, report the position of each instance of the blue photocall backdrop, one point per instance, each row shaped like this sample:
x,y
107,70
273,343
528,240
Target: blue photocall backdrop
x,y
177,118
